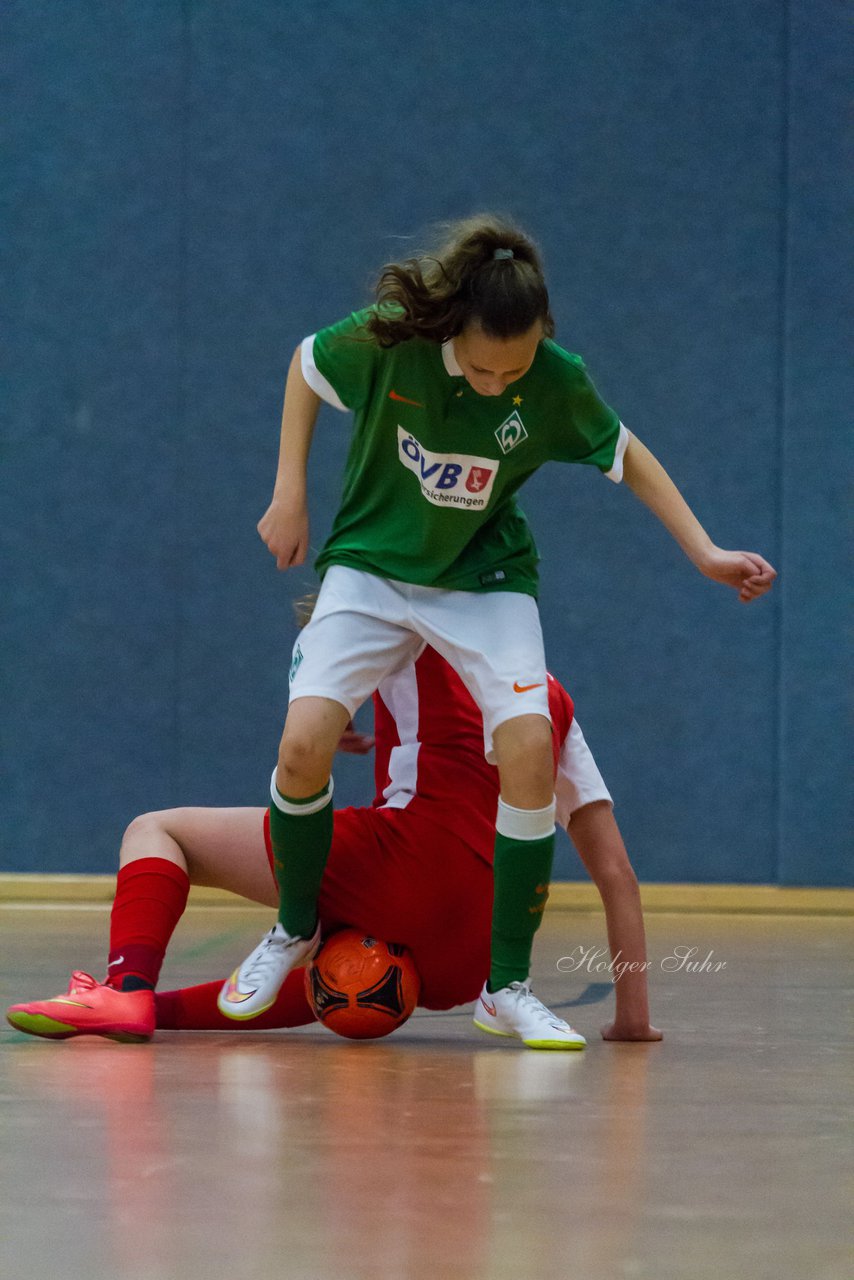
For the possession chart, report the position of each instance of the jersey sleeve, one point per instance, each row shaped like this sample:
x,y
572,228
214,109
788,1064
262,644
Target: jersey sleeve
x,y
588,429
578,780
340,363
561,711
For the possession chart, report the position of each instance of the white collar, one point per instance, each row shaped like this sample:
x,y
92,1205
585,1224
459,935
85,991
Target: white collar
x,y
450,359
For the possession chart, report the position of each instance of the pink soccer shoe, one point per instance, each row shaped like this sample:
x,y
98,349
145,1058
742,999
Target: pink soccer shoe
x,y
87,1009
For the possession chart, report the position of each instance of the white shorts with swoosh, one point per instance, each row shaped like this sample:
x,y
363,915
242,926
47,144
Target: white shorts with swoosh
x,y
365,627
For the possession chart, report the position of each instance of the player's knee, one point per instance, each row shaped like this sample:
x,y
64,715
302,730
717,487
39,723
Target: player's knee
x,y
526,761
144,825
303,762
144,835
526,736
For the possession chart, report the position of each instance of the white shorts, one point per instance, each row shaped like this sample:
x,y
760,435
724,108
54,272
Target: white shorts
x,y
363,628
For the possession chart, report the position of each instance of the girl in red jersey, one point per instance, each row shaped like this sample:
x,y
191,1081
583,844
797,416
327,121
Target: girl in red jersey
x,y
415,867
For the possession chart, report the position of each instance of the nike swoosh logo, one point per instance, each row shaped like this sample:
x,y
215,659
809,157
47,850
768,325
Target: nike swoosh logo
x,y
112,963
78,1004
392,395
232,995
523,688
490,1008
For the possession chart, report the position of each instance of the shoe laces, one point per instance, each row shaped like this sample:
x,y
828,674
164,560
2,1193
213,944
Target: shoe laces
x,y
81,981
526,998
264,954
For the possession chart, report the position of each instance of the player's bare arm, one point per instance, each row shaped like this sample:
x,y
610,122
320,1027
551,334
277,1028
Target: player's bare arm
x,y
284,525
598,842
745,571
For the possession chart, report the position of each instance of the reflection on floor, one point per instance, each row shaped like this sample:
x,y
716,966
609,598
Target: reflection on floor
x,y
439,1152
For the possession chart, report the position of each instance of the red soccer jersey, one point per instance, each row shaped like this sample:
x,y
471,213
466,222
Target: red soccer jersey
x,y
429,749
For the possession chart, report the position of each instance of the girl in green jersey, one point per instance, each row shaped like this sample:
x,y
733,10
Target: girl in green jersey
x,y
459,394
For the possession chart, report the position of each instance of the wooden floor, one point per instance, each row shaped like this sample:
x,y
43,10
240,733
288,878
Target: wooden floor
x,y
440,1153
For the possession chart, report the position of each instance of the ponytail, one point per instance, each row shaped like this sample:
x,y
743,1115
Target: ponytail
x,y
486,272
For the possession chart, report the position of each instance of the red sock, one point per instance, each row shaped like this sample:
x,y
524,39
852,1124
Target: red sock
x,y
195,1008
151,894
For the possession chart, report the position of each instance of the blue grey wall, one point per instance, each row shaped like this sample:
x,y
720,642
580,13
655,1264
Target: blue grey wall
x,y
196,185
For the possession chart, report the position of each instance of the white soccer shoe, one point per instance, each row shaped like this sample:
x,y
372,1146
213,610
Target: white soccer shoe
x,y
516,1011
253,987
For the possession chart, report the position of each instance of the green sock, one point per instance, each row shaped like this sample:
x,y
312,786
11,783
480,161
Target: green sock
x,y
523,869
301,836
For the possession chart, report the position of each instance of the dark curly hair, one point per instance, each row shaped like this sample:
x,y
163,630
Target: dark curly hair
x,y
436,295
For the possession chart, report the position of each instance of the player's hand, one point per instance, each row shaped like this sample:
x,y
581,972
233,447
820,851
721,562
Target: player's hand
x,y
284,531
620,1031
744,571
355,743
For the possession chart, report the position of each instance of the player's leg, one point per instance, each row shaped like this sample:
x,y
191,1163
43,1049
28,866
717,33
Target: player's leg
x,y
355,637
301,814
301,822
210,863
494,642
524,844
196,1008
222,849
217,847
161,854
524,852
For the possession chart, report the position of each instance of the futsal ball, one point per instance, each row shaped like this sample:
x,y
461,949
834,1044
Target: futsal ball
x,y
361,988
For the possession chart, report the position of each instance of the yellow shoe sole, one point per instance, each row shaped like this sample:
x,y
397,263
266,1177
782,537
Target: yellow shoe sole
x,y
530,1044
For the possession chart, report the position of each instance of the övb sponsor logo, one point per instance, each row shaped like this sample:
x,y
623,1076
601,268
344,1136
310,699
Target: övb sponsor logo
x,y
448,479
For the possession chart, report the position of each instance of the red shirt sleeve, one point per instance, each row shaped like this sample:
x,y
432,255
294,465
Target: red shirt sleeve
x,y
561,710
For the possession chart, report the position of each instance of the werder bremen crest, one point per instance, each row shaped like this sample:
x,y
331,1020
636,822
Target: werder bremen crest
x,y
295,662
511,432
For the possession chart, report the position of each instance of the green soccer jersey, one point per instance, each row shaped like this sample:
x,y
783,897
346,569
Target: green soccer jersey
x,y
433,467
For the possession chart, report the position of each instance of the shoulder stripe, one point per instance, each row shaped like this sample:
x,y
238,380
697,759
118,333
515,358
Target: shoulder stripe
x,y
616,472
320,386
